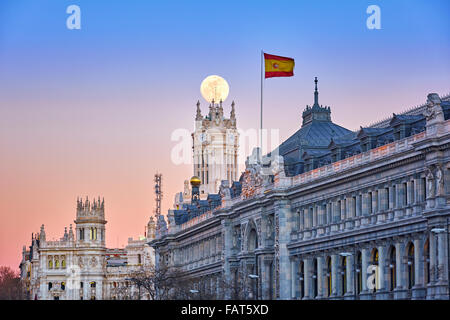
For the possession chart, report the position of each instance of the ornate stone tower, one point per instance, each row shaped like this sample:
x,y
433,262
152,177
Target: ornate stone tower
x,y
90,222
215,147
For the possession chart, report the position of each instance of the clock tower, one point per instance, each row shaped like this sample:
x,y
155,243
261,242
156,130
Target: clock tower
x,y
215,148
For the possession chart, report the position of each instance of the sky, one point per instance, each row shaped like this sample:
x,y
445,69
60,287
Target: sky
x,y
91,112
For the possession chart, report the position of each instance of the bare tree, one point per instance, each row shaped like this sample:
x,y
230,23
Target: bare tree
x,y
10,284
161,283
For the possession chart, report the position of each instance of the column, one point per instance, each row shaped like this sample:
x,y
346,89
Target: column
x,y
418,291
382,293
350,276
433,265
400,290
334,275
320,276
365,294
442,273
286,221
308,279
267,281
294,277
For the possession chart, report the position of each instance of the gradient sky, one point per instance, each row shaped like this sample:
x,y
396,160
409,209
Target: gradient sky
x,y
91,111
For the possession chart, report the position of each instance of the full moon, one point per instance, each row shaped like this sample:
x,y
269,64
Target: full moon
x,y
214,88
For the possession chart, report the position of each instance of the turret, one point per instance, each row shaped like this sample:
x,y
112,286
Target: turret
x,y
42,234
316,112
198,116
90,222
151,228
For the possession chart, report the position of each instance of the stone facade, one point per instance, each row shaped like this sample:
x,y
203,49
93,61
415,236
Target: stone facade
x,y
79,266
366,219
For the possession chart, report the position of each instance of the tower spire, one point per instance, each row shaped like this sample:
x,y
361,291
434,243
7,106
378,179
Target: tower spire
x,y
316,93
199,112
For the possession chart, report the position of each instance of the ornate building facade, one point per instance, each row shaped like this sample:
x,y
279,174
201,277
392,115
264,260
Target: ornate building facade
x,y
79,266
330,214
215,147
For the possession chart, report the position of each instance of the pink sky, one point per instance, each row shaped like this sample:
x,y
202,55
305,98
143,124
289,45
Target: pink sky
x,y
91,112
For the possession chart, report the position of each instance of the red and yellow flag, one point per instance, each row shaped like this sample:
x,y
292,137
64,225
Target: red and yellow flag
x,y
276,66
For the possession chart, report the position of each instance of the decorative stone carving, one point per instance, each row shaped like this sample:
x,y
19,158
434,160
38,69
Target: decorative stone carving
x,y
81,262
269,226
440,181
277,165
93,262
433,112
430,182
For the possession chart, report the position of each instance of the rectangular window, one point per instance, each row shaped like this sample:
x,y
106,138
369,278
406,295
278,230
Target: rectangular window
x,y
353,206
394,196
424,189
405,194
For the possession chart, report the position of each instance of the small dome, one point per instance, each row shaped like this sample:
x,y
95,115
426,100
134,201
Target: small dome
x,y
195,181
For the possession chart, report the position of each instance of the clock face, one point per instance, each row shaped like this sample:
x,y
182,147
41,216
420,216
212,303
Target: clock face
x,y
202,137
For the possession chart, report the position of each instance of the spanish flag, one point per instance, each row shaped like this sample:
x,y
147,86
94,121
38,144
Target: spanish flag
x,y
276,66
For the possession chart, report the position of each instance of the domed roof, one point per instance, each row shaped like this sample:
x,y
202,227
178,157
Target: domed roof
x,y
195,181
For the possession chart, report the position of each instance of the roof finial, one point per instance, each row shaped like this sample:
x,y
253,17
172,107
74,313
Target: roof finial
x,y
316,93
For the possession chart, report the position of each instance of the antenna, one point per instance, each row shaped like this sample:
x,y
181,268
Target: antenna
x,y
158,194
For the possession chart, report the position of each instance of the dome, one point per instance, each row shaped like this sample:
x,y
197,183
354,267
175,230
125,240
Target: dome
x,y
195,181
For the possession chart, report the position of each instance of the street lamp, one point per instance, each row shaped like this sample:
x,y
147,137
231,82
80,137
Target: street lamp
x,y
193,291
345,254
255,277
438,230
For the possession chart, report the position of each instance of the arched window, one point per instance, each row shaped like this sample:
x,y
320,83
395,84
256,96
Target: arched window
x,y
50,286
252,240
63,262
50,263
92,283
344,275
56,263
301,277
426,252
392,269
63,286
410,265
329,277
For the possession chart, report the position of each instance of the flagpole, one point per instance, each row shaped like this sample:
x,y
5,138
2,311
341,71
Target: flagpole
x,y
261,118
